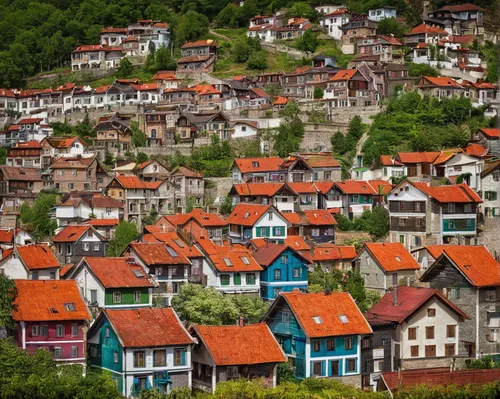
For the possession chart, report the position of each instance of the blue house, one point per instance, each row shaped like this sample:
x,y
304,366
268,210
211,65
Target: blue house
x,y
320,333
284,268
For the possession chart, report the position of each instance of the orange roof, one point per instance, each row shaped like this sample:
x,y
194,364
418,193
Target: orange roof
x,y
303,188
37,256
265,255
280,100
474,262
441,82
112,29
153,185
356,187
6,236
381,186
423,28
199,43
476,150
417,157
147,327
323,186
292,218
297,242
117,272
145,86
258,189
71,233
229,258
326,309
247,214
165,75
436,250
206,89
344,74
328,252
249,165
175,220
96,47
321,161
392,257
235,345
65,269
103,222
453,193
319,217
205,219
158,254
6,253
46,300
490,132
130,182
185,171
173,240
29,144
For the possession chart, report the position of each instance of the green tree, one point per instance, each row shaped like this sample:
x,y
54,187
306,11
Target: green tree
x,y
3,155
141,157
227,17
252,309
390,26
343,222
418,70
152,217
8,293
318,92
35,219
164,60
138,136
257,60
308,41
190,204
191,26
125,69
125,233
227,206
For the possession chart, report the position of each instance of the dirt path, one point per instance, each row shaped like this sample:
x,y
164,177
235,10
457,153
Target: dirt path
x,y
212,32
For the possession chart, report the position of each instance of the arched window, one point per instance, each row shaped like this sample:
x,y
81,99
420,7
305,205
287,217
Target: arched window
x,y
153,133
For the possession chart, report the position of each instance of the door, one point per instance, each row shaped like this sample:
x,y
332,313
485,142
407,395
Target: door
x,y
430,351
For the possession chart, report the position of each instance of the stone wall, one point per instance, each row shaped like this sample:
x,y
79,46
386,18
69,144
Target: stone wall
x,y
8,221
353,380
317,136
344,115
94,114
489,236
294,53
217,188
458,363
342,236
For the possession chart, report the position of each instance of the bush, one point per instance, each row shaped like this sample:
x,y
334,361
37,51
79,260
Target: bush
x,y
308,41
318,92
257,60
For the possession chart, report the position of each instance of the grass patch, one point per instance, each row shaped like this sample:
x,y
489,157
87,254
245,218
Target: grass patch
x,y
232,33
332,48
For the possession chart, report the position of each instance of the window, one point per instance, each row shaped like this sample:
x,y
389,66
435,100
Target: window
x,y
68,249
455,293
74,330
335,367
414,351
429,332
224,279
317,369
137,296
431,312
451,207
401,239
285,316
96,246
343,319
59,330
278,231
52,275
179,357
159,358
250,278
451,331
115,356
316,345
237,278
348,343
139,359
296,272
412,333
232,372
74,351
284,259
378,365
117,297
93,296
70,306
269,215
263,231
317,320
35,331
490,295
449,349
86,246
366,343
330,344
34,275
350,365
108,331
430,351
44,330
57,352
277,274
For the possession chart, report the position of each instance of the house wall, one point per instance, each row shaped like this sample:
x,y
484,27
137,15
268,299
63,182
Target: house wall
x,y
14,269
87,282
270,225
490,185
128,297
78,251
340,354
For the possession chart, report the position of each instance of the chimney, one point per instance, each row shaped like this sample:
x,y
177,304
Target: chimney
x,y
328,292
241,321
138,314
395,288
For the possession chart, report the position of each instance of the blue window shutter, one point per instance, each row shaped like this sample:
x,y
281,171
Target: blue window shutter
x,y
148,384
183,357
136,380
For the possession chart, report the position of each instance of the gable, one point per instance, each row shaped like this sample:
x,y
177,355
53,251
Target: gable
x,y
275,320
278,219
406,192
443,274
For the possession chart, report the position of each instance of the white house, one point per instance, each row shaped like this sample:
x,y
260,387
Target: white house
x,y
490,182
78,209
332,22
244,129
380,13
459,164
33,262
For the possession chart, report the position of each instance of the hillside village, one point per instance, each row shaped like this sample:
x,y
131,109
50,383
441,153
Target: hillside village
x,y
337,220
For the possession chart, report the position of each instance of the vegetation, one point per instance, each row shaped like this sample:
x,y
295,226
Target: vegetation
x,y
375,222
418,70
24,375
290,131
125,69
227,206
257,60
390,26
200,305
8,294
308,41
36,219
3,155
138,136
125,233
151,218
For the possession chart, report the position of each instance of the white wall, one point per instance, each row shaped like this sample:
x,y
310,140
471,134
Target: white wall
x,y
87,282
101,213
243,130
284,206
14,269
278,221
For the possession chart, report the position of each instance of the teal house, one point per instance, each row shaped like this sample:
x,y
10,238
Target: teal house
x,y
142,349
284,269
320,333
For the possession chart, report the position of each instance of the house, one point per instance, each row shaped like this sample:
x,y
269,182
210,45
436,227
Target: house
x,y
61,147
244,129
468,276
105,227
252,352
262,27
385,48
78,206
111,36
142,349
113,133
51,316
257,221
317,225
423,215
423,35
384,168
151,170
293,29
169,267
333,21
188,185
348,88
411,325
197,56
257,170
458,164
357,26
192,125
285,269
324,165
490,138
31,262
166,79
462,19
159,125
320,333
490,182
350,197
17,186
307,193
19,236
417,164
330,257
75,242
382,264
440,87
230,269
25,155
113,283
95,56
380,13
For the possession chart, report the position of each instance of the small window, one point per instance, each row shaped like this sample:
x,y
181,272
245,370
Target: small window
x,y
139,359
232,372
228,262
317,369
351,365
296,272
429,332
57,352
412,333
74,330
179,357
159,358
285,316
86,246
414,350
277,274
316,345
115,356
34,331
250,278
137,296
108,332
366,343
245,260
74,351
330,344
348,343
431,312
70,307
449,349
490,295
451,331
44,330
59,330
96,246
117,297
317,320
270,215
343,319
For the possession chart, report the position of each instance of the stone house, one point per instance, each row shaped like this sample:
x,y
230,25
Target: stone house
x,y
25,155
490,182
75,242
349,88
357,26
95,56
440,87
18,185
188,185
113,133
489,138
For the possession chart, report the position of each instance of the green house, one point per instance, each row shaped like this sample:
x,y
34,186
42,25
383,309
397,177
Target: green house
x,y
113,283
142,348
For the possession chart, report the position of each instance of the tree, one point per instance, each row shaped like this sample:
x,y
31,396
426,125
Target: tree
x,y
125,69
125,233
191,26
390,26
164,60
141,157
418,70
138,136
8,293
241,51
227,17
227,206
36,220
190,204
252,309
308,41
343,222
152,218
3,155
356,127
318,92
257,60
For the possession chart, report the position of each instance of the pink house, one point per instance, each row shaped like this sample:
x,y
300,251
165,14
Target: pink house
x,y
51,315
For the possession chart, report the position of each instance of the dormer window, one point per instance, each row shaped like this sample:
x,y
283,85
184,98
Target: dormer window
x,y
255,164
228,262
70,307
317,320
343,319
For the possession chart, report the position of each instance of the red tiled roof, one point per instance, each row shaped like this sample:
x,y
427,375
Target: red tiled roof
x,y
96,47
453,193
258,189
417,157
6,93
29,121
381,186
45,300
205,219
29,144
247,214
230,258
297,242
111,29
6,236
37,256
392,257
356,187
259,92
249,165
329,308
175,220
165,75
187,172
344,74
409,301
338,12
441,82
280,101
476,150
441,376
303,188
323,186
460,8
490,132
386,160
321,161
6,253
235,345
130,182
148,327
327,252
292,217
71,233
172,239
117,272
423,28
319,217
65,269
205,89
145,86
157,254
266,254
199,43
